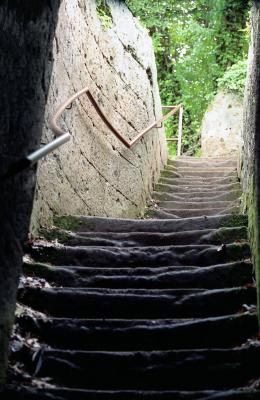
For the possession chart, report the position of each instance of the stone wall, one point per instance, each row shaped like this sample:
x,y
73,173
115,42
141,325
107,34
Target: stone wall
x,y
250,104
222,125
94,174
250,166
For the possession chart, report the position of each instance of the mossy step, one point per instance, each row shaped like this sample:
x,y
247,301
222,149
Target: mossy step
x,y
101,224
211,236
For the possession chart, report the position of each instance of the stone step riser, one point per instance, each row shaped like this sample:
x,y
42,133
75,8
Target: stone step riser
x,y
195,196
187,213
188,189
98,224
128,335
147,371
192,205
193,182
136,303
25,393
101,257
135,239
212,277
202,165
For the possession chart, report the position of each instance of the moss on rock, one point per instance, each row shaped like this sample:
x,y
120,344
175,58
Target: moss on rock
x,y
68,222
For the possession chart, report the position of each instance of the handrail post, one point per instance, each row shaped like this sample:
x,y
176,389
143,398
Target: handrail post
x,y
180,131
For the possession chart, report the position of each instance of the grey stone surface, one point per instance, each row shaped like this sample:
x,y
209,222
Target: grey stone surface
x,y
251,104
94,174
222,125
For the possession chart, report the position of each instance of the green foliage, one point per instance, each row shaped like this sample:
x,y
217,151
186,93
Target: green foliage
x,y
234,78
104,13
195,42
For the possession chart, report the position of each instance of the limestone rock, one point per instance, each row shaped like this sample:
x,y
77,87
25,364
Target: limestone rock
x,y
94,174
222,125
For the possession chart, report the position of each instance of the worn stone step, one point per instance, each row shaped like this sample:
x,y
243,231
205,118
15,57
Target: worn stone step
x,y
126,335
133,239
200,173
240,394
192,205
195,167
52,273
163,187
192,212
137,303
199,163
63,393
99,224
227,157
216,276
215,369
150,256
193,182
197,196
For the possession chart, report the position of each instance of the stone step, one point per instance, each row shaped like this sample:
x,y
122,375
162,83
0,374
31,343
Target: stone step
x,y
60,393
128,335
193,182
228,157
137,303
212,277
100,224
137,239
197,196
148,256
163,187
193,205
164,370
63,393
202,164
201,173
191,212
195,167
51,272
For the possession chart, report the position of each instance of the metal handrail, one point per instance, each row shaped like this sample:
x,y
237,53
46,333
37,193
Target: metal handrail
x,y
129,144
62,137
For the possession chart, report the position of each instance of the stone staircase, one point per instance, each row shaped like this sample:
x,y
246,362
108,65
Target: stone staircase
x,y
160,308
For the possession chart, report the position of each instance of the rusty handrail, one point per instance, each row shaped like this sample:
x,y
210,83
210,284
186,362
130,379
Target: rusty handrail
x,y
61,137
129,144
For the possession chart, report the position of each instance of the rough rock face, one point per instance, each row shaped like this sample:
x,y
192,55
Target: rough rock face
x,y
251,103
222,125
250,166
94,174
27,31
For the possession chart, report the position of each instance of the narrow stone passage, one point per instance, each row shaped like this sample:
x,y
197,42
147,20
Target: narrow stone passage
x,y
160,308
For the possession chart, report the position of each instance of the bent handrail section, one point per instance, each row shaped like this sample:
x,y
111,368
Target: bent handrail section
x,y
61,136
129,144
